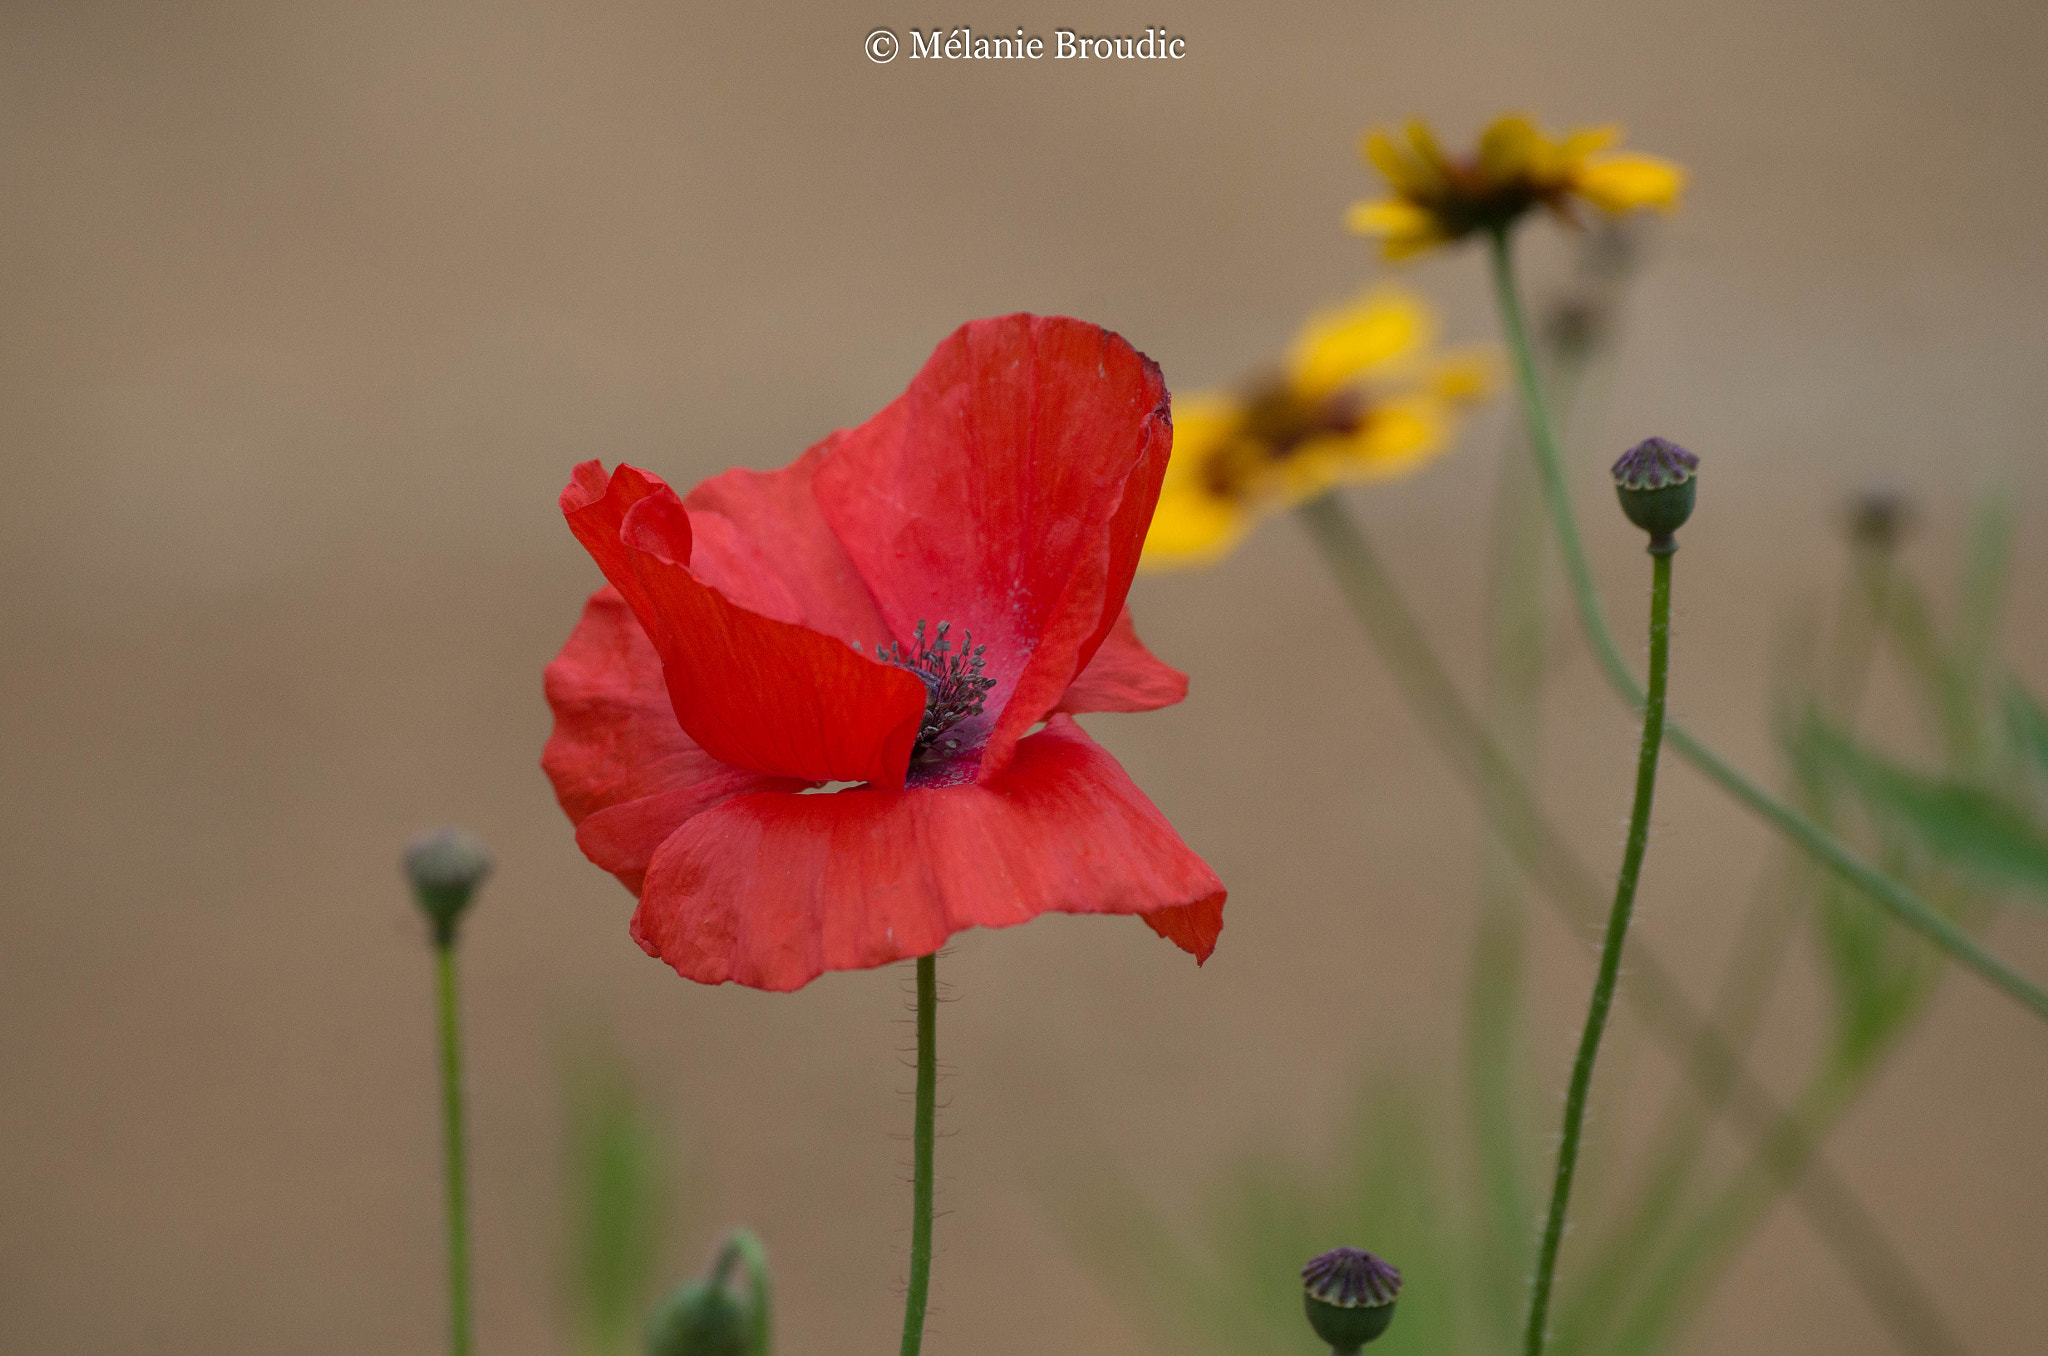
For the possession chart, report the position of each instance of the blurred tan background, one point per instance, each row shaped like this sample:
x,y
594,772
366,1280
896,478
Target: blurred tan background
x,y
306,313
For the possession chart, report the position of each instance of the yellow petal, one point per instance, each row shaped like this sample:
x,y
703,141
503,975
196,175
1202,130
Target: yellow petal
x,y
1509,149
1396,248
1427,151
1465,376
1388,216
1192,528
1402,173
1403,435
1581,142
1624,183
1339,345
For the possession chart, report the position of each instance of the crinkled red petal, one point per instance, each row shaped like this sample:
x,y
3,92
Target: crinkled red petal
x,y
1124,676
1007,491
623,770
754,692
772,890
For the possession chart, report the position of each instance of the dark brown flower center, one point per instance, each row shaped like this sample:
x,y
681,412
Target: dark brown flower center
x,y
1277,422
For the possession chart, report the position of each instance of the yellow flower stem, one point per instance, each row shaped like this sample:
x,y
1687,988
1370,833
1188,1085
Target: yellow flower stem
x,y
1702,1053
1903,904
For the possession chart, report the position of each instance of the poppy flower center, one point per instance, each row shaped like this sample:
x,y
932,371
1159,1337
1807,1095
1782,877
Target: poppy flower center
x,y
953,685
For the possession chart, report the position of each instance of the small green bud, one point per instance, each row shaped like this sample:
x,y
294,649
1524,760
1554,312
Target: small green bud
x,y
1656,481
1349,1295
702,1318
709,1316
445,867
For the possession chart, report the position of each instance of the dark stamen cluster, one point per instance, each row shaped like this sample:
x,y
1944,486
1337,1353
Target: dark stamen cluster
x,y
954,687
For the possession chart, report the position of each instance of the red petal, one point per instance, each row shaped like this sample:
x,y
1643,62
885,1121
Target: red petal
x,y
1007,492
623,770
763,542
754,692
773,890
1124,676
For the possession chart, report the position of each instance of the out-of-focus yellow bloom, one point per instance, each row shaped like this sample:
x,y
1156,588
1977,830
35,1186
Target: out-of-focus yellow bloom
x,y
1360,396
1516,168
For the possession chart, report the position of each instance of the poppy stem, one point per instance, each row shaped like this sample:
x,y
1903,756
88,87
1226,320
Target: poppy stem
x,y
1902,902
1610,952
921,1155
453,1145
1710,1061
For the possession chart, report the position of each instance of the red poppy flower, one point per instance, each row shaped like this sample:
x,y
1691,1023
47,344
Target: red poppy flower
x,y
898,608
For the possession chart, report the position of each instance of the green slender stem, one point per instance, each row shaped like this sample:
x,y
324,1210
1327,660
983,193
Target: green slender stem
x,y
1704,1056
453,1145
1610,951
921,1155
1755,961
1905,905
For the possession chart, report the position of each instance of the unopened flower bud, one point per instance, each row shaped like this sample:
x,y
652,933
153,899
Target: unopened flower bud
x,y
1349,1295
445,867
1656,481
709,1316
702,1318
1879,518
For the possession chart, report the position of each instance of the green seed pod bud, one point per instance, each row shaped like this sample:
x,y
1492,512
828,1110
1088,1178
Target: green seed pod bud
x,y
445,867
709,1316
1656,481
1349,1295
702,1318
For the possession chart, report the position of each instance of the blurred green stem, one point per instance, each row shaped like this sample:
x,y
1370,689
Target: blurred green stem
x,y
1908,907
1703,1054
1610,951
453,1147
1494,1018
921,1155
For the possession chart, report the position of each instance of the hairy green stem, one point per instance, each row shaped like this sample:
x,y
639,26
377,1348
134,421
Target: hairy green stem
x,y
1905,905
453,1140
1755,962
1610,952
921,1155
1703,1054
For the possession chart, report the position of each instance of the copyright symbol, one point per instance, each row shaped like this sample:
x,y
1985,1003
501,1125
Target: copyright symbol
x,y
881,46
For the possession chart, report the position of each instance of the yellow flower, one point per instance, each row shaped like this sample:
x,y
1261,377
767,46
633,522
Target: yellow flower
x,y
1359,397
1516,168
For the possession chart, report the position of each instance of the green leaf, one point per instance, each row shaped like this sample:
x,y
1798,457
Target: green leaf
x,y
1965,826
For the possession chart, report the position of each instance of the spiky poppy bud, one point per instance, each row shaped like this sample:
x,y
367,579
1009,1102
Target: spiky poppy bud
x,y
1656,481
1349,1295
445,867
